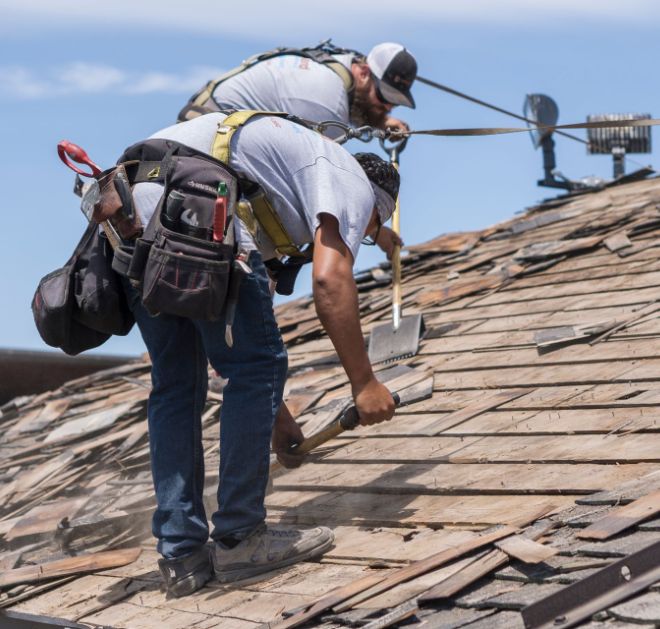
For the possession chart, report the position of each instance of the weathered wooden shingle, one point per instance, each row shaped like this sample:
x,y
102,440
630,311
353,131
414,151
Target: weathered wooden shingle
x,y
542,359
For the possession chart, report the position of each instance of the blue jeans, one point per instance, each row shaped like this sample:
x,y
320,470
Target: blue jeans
x,y
256,368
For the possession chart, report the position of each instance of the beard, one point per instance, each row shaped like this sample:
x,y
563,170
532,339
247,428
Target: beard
x,y
363,113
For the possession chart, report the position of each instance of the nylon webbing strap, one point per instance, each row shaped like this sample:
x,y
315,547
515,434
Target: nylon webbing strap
x,y
600,124
244,212
259,213
270,222
222,142
259,209
148,171
201,99
143,171
342,72
205,95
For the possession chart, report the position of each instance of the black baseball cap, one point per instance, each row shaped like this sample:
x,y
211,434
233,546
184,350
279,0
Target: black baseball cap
x,y
394,70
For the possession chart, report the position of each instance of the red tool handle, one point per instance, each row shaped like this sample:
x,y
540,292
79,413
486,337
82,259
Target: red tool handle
x,y
66,150
220,218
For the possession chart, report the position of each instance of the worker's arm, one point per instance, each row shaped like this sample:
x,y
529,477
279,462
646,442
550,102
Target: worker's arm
x,y
336,300
387,239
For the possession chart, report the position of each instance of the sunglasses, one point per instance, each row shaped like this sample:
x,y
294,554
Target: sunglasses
x,y
381,98
370,241
379,94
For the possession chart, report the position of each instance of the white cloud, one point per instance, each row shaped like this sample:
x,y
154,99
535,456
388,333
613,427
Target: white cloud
x,y
258,19
167,82
86,78
20,82
89,77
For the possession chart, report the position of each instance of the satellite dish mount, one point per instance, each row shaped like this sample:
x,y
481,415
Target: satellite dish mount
x,y
541,110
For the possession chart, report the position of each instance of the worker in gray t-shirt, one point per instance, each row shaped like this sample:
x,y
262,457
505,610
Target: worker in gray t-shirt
x,y
317,85
322,195
346,87
302,173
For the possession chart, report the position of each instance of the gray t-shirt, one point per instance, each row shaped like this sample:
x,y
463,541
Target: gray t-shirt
x,y
303,173
290,83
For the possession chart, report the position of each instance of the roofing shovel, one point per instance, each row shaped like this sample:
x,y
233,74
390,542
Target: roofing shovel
x,y
400,338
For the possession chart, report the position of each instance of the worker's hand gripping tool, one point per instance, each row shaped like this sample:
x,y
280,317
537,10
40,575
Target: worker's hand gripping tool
x,y
349,420
394,147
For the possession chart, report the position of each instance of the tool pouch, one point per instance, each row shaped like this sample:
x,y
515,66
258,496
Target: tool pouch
x,y
186,276
181,270
79,306
116,203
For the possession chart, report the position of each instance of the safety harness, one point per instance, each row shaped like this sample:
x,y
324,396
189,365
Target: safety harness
x,y
202,102
159,161
256,211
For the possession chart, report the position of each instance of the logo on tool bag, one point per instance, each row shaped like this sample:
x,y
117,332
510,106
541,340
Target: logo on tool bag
x,y
201,186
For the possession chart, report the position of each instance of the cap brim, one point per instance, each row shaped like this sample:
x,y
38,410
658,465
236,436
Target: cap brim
x,y
396,97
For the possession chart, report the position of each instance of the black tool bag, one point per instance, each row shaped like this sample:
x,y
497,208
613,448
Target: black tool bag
x,y
181,270
79,306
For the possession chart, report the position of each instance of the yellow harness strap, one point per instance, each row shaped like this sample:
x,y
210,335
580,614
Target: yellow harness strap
x,y
343,72
205,95
222,143
258,212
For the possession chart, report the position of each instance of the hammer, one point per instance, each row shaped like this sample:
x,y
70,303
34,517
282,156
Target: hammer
x,y
349,420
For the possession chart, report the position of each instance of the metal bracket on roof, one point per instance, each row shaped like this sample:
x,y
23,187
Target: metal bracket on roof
x,y
579,601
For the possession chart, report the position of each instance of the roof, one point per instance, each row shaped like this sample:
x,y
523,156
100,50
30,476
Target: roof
x,y
24,372
541,366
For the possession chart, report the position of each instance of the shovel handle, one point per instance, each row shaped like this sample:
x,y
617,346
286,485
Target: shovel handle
x,y
395,147
396,263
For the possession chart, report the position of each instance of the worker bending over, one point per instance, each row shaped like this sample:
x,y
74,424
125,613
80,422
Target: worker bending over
x,y
321,195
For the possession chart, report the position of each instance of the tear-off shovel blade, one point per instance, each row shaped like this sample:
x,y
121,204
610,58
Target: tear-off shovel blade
x,y
388,344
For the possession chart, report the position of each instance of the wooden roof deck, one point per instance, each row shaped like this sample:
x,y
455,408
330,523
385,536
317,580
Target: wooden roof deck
x,y
542,359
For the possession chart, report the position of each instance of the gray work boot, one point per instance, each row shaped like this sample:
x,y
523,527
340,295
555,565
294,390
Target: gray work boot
x,y
269,548
186,574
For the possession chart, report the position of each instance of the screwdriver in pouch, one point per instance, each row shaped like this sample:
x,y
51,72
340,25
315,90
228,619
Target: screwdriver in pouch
x,y
220,213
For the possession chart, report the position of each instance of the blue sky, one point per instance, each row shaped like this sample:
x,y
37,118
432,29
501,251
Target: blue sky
x,y
107,76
